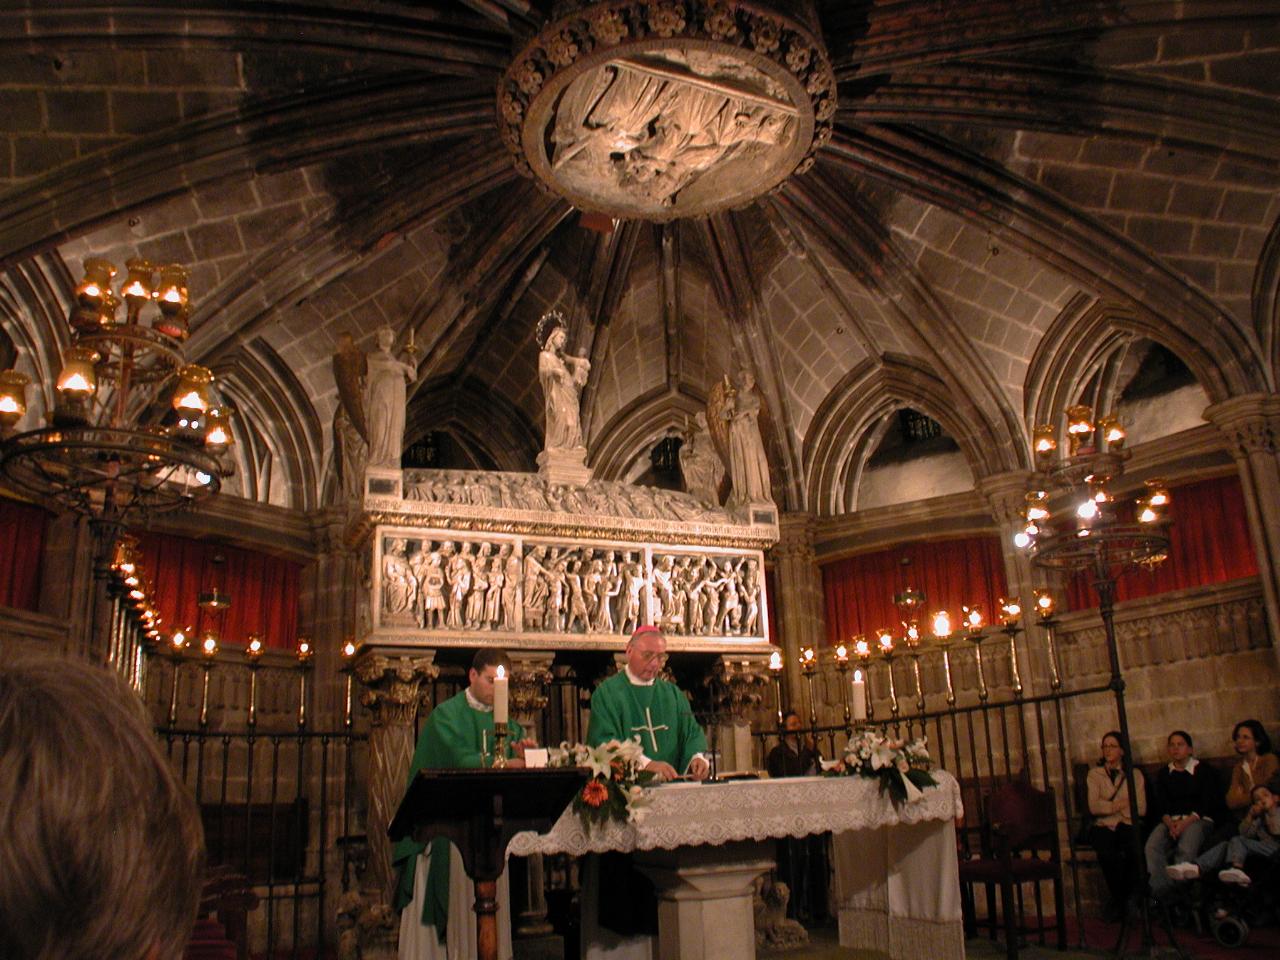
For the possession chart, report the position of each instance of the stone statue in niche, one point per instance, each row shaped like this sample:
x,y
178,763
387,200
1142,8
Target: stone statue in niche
x,y
350,434
701,465
385,398
562,376
734,412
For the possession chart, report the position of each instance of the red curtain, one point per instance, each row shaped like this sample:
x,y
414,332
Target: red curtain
x,y
1208,543
263,588
859,591
22,530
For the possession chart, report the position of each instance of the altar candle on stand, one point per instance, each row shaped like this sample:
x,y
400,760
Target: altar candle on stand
x,y
500,696
859,696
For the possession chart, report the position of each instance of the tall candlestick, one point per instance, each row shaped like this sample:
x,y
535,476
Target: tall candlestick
x,y
500,696
859,697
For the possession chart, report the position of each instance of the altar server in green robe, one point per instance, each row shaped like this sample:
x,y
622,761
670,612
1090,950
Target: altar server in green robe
x,y
433,893
634,702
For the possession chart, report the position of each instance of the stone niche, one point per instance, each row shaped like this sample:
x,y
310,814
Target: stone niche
x,y
469,559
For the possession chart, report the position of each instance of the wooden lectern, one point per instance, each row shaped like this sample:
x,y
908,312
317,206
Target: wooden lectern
x,y
480,811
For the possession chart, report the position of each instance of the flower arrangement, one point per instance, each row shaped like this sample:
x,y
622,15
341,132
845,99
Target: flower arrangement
x,y
901,767
616,788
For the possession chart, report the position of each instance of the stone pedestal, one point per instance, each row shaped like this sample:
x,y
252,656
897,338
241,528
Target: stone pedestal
x,y
568,466
705,898
530,682
393,691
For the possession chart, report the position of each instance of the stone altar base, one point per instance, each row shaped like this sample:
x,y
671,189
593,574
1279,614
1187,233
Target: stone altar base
x,y
565,466
705,898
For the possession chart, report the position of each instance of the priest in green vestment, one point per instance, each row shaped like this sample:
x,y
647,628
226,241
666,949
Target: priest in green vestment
x,y
634,702
433,894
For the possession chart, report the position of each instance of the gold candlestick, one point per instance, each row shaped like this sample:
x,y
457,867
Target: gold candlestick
x,y
863,649
973,629
1044,612
499,746
1010,614
842,667
775,669
942,636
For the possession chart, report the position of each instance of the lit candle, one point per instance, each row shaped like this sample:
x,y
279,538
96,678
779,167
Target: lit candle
x,y
500,693
859,696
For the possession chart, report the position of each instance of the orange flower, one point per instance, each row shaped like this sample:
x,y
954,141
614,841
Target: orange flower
x,y
595,793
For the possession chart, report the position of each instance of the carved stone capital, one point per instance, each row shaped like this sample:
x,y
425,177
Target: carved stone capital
x,y
795,538
530,683
1006,495
393,685
741,684
1250,423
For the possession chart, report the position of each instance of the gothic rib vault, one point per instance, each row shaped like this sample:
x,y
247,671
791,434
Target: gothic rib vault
x,y
1012,194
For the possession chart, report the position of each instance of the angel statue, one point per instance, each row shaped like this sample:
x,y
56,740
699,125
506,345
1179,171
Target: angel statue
x,y
350,435
733,416
563,376
701,465
385,398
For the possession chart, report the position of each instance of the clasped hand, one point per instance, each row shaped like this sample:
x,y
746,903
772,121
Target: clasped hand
x,y
698,769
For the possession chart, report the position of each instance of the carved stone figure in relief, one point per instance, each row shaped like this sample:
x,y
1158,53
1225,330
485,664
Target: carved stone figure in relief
x,y
350,434
711,609
730,622
497,578
701,465
562,376
479,588
534,587
433,603
385,399
513,572
578,616
680,578
660,596
398,583
608,587
751,599
695,597
633,583
556,573
458,574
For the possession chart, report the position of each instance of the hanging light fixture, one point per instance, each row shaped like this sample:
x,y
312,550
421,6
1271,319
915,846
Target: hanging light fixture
x,y
134,430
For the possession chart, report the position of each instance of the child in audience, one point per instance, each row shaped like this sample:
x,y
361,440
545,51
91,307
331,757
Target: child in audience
x,y
1259,834
1257,764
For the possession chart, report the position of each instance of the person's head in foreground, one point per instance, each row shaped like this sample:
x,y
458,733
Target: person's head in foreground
x,y
646,653
101,848
484,670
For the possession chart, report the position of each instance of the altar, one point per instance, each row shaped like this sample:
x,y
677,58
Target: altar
x,y
704,845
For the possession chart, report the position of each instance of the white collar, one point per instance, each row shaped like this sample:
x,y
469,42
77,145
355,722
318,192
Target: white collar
x,y
475,704
1190,768
632,678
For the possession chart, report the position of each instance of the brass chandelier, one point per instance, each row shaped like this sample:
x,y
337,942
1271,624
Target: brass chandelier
x,y
134,429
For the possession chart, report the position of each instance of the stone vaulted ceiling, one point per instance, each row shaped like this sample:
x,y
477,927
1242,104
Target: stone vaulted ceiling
x,y
1012,191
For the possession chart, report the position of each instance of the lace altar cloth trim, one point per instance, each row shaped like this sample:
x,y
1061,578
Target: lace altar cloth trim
x,y
688,814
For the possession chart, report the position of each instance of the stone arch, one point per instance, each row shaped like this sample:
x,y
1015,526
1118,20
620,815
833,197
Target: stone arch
x,y
477,417
277,426
635,428
851,420
1091,337
1266,297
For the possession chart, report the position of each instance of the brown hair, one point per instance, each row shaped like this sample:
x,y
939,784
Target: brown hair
x,y
101,848
490,657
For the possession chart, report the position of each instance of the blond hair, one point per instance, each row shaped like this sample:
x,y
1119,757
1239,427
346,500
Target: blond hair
x,y
101,848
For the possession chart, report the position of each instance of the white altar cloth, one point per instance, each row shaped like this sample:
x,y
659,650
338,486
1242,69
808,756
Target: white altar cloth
x,y
897,887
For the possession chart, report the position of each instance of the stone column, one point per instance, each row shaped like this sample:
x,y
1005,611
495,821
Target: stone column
x,y
1006,494
530,684
1250,424
393,691
799,585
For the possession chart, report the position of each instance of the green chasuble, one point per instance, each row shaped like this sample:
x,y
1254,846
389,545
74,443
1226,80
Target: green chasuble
x,y
455,735
659,715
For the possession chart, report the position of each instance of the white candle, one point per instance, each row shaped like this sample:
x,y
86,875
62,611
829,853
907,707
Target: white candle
x,y
859,696
500,696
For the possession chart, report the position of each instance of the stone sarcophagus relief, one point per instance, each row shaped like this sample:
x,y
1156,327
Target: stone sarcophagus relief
x,y
469,559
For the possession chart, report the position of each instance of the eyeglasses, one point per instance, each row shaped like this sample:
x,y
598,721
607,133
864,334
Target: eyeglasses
x,y
652,657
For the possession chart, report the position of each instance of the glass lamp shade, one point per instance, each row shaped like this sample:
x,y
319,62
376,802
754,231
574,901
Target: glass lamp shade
x,y
136,290
1079,426
1044,604
1044,444
1113,434
885,639
972,619
78,374
191,395
942,625
174,299
1010,612
218,436
13,398
98,275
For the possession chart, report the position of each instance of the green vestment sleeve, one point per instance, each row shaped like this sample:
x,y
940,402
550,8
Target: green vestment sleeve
x,y
455,736
659,715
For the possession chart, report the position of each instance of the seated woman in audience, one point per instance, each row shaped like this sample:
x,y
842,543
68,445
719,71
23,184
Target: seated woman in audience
x,y
1112,832
1187,799
1256,767
1259,834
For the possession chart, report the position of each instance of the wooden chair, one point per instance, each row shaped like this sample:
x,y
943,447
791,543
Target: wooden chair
x,y
1020,827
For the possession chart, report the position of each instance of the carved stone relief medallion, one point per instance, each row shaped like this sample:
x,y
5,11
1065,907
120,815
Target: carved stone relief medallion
x,y
659,109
